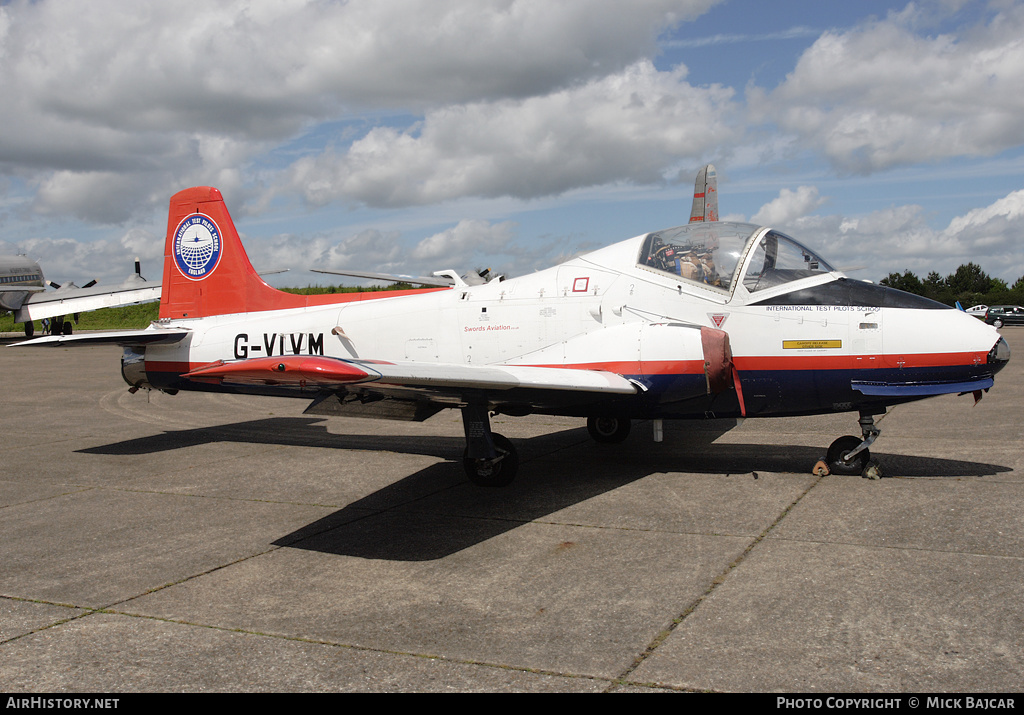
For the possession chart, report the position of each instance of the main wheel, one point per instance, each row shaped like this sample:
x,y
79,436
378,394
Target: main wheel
x,y
842,447
497,472
608,430
30,328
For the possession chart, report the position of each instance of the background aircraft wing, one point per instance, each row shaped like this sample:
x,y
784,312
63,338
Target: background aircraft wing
x,y
21,289
68,299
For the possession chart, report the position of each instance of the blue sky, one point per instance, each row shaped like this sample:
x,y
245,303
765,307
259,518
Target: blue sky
x,y
414,136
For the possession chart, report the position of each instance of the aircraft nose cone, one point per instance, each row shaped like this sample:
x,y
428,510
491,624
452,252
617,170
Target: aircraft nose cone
x,y
1000,353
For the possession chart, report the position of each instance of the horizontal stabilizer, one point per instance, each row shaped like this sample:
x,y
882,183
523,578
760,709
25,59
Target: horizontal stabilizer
x,y
125,338
415,280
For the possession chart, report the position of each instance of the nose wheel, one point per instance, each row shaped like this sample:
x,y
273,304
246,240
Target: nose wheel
x,y
841,458
850,455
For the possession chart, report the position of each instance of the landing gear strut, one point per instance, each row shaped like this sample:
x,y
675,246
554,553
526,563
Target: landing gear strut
x,y
849,455
490,460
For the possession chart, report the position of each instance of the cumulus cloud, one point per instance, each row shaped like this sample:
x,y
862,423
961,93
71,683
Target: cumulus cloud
x,y
251,67
469,238
369,249
883,95
634,125
109,111
789,206
898,238
109,261
470,243
141,88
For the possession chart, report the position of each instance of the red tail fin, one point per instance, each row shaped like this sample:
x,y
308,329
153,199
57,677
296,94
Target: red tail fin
x,y
206,270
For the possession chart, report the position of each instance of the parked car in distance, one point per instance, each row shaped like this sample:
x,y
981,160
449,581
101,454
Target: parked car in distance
x,y
978,311
1000,315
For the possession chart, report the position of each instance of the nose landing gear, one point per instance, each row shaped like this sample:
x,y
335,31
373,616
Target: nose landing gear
x,y
850,455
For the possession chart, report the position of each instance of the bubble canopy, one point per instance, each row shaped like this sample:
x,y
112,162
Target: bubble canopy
x,y
709,254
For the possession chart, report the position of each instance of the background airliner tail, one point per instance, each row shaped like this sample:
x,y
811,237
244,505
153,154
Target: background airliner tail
x,y
705,195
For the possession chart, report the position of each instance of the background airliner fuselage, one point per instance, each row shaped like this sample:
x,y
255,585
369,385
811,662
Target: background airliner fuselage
x,y
20,277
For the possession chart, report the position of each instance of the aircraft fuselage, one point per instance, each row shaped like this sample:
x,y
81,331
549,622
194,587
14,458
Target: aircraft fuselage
x,y
819,343
710,319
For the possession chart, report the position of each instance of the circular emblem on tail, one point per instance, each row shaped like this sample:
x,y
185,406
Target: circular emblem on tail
x,y
197,246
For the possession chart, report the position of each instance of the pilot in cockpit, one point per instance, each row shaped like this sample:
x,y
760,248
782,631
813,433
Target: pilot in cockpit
x,y
707,263
687,265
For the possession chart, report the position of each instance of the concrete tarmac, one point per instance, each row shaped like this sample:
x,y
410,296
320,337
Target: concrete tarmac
x,y
201,543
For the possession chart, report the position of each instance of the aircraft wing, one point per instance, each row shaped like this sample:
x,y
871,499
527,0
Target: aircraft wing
x,y
439,384
68,300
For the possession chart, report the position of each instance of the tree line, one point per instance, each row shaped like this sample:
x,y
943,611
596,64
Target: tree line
x,y
969,285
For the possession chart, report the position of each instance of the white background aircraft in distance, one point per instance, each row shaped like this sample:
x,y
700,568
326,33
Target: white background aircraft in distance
x,y
23,291
708,319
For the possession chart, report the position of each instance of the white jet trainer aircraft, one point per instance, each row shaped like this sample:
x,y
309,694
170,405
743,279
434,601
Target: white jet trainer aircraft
x,y
708,319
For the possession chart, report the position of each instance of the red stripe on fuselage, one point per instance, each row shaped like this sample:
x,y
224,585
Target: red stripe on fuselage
x,y
696,367
854,362
782,362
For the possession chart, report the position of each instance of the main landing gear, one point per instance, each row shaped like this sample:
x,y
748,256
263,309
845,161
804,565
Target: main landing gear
x,y
850,455
608,430
490,460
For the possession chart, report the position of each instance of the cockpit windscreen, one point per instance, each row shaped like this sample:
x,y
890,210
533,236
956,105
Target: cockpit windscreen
x,y
699,252
778,259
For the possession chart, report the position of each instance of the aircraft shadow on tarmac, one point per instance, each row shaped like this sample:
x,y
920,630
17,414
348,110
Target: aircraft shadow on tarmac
x,y
435,512
284,431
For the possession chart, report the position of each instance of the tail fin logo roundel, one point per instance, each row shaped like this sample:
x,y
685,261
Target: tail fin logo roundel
x,y
197,246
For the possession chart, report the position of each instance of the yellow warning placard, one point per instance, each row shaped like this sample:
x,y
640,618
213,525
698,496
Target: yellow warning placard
x,y
811,344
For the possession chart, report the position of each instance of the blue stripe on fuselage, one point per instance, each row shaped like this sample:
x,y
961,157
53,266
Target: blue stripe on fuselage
x,y
802,392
